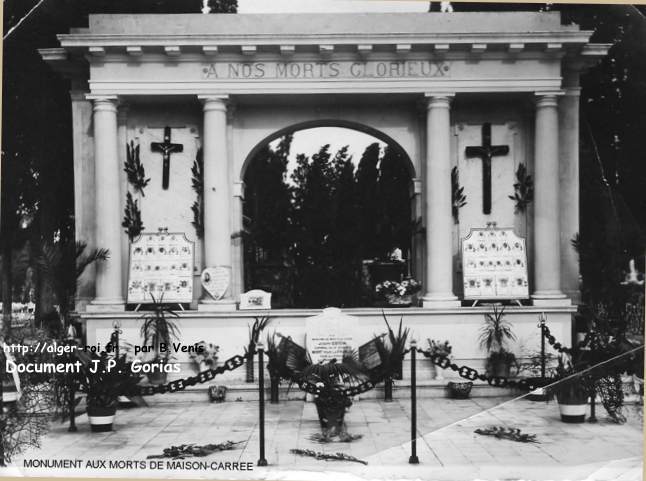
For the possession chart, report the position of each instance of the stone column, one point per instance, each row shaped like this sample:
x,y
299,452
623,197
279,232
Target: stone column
x,y
217,197
109,287
84,191
569,181
547,250
122,139
439,222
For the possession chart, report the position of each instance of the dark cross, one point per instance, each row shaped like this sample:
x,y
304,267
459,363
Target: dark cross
x,y
486,153
166,148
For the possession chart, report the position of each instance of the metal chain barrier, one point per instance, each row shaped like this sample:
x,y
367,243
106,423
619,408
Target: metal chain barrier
x,y
472,374
311,388
592,340
181,384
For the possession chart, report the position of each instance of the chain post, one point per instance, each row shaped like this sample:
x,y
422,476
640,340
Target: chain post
x,y
593,404
541,325
261,394
413,459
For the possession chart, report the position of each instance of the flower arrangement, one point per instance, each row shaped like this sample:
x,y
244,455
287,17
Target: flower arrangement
x,y
205,357
440,348
398,293
407,287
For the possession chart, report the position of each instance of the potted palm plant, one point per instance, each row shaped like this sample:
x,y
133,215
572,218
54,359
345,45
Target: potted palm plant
x,y
276,366
391,354
494,338
159,328
104,379
572,391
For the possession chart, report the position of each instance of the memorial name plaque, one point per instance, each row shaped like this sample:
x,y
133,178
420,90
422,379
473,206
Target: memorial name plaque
x,y
330,334
255,299
161,264
495,265
215,281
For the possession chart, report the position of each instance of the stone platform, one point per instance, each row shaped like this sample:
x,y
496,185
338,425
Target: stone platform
x,y
447,446
229,330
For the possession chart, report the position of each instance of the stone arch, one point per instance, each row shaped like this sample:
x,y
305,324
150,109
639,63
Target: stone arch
x,y
405,159
347,124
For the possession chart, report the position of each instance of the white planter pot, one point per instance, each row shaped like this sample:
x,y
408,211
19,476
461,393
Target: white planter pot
x,y
9,397
100,424
573,413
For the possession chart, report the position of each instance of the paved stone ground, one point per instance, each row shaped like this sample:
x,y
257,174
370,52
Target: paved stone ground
x,y
447,446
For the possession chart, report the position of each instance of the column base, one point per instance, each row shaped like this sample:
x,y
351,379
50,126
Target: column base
x,y
440,301
550,298
106,305
211,305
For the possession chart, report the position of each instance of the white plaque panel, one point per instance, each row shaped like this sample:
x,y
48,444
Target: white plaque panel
x,y
494,264
161,264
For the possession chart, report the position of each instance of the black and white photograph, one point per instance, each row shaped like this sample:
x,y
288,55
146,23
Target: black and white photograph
x,y
331,239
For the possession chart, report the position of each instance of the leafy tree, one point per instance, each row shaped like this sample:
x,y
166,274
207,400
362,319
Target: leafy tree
x,y
312,223
268,204
366,178
345,239
394,194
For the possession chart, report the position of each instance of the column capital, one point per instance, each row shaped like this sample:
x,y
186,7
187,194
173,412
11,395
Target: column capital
x,y
547,99
438,100
105,103
214,102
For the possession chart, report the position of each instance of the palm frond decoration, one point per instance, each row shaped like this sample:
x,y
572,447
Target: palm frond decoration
x,y
132,218
496,332
523,189
134,169
284,362
63,263
393,352
333,373
255,330
197,182
457,194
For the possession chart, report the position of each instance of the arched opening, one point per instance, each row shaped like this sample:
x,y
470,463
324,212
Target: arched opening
x,y
325,207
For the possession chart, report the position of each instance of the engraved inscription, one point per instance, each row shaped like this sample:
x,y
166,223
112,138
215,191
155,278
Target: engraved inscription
x,y
325,70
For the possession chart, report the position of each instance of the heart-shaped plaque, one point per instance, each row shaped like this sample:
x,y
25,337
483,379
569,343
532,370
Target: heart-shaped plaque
x,y
215,281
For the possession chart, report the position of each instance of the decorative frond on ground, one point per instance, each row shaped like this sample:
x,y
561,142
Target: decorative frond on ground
x,y
512,434
326,456
191,450
323,439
